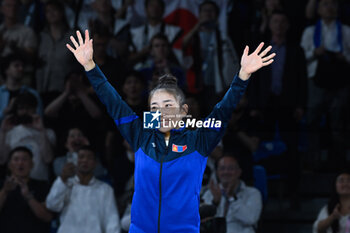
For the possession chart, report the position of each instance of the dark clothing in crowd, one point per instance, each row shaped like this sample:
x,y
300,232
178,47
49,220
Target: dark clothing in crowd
x,y
17,217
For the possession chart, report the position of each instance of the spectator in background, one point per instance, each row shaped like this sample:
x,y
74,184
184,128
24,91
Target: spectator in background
x,y
126,15
327,50
114,67
119,154
210,170
162,61
85,204
334,217
133,92
280,94
239,204
31,14
23,127
12,67
54,62
75,106
74,140
96,10
241,19
242,137
14,35
311,11
22,199
261,29
214,58
141,36
127,188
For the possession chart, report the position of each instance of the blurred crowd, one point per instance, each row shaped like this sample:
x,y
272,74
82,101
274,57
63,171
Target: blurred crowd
x,y
65,166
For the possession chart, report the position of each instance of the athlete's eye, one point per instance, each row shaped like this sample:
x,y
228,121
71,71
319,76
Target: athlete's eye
x,y
168,105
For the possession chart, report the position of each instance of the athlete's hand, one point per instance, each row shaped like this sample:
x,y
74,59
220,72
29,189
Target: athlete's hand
x,y
256,60
83,51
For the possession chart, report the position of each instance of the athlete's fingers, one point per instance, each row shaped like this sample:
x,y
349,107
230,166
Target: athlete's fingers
x,y
74,42
268,62
263,53
246,50
87,36
81,42
258,49
272,55
70,48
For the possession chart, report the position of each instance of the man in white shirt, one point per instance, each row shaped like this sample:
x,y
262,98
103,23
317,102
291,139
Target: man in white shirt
x,y
239,204
142,35
85,204
327,36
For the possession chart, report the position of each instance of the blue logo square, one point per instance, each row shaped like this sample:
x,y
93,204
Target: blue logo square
x,y
151,120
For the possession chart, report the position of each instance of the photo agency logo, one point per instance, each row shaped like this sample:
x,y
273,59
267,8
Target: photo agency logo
x,y
151,120
158,119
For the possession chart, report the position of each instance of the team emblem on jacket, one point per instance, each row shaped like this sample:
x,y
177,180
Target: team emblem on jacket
x,y
177,148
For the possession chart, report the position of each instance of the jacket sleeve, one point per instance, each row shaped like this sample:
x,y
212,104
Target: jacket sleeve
x,y
208,138
128,123
58,195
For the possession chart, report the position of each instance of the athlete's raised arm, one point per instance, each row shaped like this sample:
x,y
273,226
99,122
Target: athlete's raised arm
x,y
129,124
208,138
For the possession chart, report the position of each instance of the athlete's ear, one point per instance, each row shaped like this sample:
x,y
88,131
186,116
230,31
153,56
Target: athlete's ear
x,y
184,109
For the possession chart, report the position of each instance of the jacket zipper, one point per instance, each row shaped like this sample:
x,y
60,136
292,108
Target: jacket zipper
x,y
160,184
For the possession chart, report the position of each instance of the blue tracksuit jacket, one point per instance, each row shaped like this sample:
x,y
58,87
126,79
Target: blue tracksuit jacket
x,y
167,183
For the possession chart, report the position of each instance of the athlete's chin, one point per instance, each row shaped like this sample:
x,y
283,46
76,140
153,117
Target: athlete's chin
x,y
164,129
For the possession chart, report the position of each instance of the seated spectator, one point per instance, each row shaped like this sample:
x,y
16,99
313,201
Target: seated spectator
x,y
14,35
141,36
334,217
13,70
54,62
74,140
161,62
22,127
214,58
22,199
75,106
85,204
239,204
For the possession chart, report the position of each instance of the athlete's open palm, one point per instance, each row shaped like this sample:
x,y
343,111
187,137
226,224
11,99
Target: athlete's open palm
x,y
256,60
83,48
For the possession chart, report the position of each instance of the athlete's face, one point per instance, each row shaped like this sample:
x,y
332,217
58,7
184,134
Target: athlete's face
x,y
169,107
